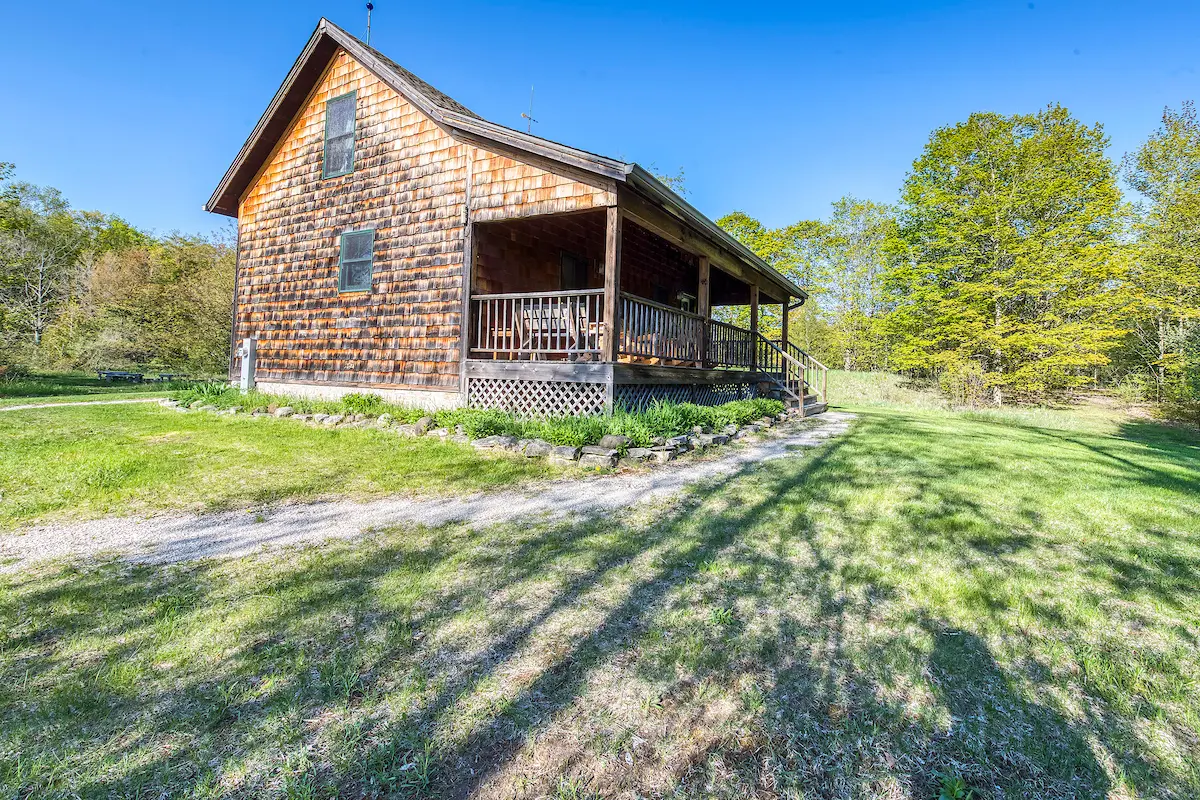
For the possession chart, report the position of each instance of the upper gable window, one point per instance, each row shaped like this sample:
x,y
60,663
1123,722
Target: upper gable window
x,y
339,136
356,261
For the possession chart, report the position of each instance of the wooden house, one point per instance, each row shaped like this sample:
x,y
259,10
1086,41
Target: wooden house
x,y
392,241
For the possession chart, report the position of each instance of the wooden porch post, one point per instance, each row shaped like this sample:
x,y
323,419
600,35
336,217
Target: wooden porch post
x,y
783,328
703,305
464,327
468,281
612,283
753,326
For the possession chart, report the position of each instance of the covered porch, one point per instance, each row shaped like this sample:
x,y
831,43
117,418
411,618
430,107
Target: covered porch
x,y
611,307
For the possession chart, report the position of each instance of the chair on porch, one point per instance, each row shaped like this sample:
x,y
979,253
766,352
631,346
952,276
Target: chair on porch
x,y
555,328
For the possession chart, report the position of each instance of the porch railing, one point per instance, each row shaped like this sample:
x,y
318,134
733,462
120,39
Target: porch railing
x,y
793,369
654,330
569,324
520,325
729,346
816,374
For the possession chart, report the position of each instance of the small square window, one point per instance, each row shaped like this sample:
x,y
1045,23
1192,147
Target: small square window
x,y
356,262
339,136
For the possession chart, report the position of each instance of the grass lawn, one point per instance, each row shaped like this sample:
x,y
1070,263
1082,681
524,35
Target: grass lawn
x,y
97,460
71,388
1007,600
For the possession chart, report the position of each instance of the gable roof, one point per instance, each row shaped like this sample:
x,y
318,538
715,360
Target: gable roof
x,y
458,120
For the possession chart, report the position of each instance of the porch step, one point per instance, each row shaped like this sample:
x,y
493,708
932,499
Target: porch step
x,y
814,408
812,403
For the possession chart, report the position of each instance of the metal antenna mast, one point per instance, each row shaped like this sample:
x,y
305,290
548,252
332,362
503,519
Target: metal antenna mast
x,y
370,8
529,115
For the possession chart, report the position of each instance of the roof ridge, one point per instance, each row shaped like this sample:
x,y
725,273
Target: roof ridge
x,y
417,83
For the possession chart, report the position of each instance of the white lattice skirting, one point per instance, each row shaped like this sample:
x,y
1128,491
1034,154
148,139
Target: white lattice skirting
x,y
637,397
533,398
536,398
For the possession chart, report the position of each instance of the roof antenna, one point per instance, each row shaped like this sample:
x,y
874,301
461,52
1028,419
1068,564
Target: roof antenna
x,y
370,8
529,116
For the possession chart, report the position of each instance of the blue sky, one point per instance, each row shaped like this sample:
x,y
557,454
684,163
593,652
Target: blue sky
x,y
137,108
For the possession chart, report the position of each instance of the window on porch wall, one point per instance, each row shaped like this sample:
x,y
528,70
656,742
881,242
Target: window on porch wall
x,y
575,271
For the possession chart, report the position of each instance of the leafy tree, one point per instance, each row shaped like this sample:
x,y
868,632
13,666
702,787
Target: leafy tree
x,y
1164,278
7,195
858,244
86,289
795,251
40,245
164,304
1010,259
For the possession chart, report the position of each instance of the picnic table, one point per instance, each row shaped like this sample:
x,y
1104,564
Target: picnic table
x,y
111,375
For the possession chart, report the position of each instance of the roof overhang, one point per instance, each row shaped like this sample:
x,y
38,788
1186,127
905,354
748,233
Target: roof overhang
x,y
655,190
292,94
458,121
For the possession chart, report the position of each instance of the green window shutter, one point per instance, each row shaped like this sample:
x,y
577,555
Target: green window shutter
x,y
356,262
339,136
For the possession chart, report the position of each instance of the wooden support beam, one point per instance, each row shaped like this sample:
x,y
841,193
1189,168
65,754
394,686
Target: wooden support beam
x,y
754,326
704,304
612,282
464,328
783,325
677,233
468,281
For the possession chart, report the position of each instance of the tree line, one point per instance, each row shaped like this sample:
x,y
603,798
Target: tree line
x,y
85,290
1012,266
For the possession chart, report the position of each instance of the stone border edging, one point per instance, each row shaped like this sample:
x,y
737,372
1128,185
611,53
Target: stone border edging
x,y
610,451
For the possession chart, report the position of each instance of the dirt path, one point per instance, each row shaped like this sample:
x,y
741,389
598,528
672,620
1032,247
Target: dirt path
x,y
83,403
173,538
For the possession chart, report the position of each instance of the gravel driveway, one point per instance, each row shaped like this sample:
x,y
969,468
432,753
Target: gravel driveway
x,y
182,537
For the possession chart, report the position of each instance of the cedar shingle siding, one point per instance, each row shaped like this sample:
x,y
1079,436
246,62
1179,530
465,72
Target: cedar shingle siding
x,y
408,184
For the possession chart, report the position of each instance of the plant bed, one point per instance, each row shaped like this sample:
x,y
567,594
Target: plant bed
x,y
650,428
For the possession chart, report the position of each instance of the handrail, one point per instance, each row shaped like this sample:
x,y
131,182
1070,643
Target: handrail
x,y
655,304
798,374
654,330
528,295
816,366
569,324
523,325
804,354
728,345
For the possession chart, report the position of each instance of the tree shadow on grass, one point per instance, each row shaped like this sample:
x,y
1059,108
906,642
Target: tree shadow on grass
x,y
451,662
998,741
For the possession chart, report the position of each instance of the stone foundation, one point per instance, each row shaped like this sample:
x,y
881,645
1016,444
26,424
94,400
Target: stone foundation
x,y
409,398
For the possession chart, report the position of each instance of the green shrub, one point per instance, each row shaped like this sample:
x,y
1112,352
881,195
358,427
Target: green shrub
x,y
623,423
741,412
963,382
661,420
371,404
221,395
478,422
666,419
574,431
